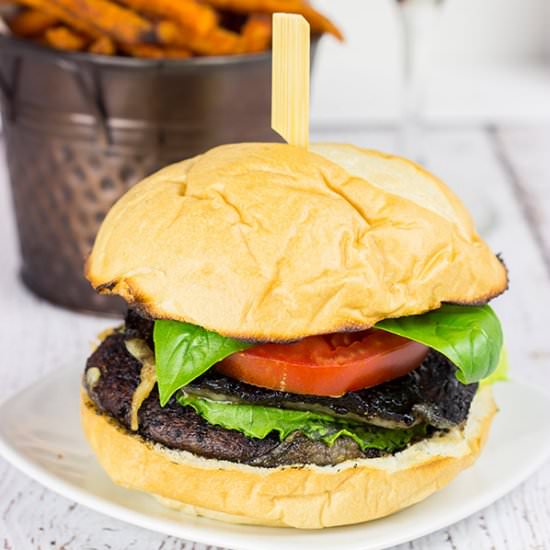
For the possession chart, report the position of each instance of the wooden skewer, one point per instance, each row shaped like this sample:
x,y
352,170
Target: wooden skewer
x,y
290,78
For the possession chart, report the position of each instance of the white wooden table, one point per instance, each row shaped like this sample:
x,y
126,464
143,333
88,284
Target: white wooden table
x,y
508,168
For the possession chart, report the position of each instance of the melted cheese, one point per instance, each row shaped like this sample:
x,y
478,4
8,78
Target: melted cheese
x,y
148,376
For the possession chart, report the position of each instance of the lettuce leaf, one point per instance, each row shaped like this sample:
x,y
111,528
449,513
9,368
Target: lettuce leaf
x,y
470,336
184,351
259,421
501,373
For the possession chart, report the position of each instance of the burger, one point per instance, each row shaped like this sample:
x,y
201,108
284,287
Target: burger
x,y
308,341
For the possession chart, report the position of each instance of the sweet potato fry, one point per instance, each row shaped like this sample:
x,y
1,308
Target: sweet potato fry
x,y
199,18
152,51
49,8
111,19
159,28
318,22
216,42
103,46
63,38
256,33
31,22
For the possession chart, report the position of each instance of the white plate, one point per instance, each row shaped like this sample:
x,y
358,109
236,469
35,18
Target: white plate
x,y
40,434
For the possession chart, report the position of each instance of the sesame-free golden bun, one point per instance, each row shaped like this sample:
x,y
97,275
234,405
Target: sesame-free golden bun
x,y
274,242
305,496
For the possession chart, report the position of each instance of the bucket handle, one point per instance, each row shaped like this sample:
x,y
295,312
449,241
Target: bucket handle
x,y
8,88
93,94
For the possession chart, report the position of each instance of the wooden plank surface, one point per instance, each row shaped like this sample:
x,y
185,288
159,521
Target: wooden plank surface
x,y
502,171
525,155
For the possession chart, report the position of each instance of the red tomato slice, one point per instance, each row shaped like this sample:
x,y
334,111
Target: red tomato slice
x,y
329,365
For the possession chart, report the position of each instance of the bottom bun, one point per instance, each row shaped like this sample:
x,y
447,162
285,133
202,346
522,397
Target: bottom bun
x,y
308,497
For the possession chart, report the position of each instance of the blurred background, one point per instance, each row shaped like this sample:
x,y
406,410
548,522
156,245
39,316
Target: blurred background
x,y
491,62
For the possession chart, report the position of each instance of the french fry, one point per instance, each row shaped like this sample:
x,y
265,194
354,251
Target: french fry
x,y
256,33
159,28
199,18
48,7
102,46
109,18
318,22
217,42
152,51
64,38
31,22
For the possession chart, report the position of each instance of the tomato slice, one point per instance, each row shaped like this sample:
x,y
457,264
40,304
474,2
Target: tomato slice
x,y
328,365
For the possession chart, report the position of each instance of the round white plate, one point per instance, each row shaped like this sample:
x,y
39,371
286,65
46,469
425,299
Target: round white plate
x,y
40,434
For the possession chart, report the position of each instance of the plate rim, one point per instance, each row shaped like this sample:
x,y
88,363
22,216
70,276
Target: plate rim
x,y
202,534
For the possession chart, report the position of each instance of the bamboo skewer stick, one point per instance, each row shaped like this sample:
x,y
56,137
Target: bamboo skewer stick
x,y
290,78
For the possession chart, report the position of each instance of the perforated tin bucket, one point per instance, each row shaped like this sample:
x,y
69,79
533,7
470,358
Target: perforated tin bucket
x,y
81,129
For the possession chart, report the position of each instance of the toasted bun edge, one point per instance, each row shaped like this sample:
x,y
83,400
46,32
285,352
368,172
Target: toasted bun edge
x,y
308,497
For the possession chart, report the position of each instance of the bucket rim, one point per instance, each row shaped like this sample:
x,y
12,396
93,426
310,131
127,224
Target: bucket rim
x,y
60,57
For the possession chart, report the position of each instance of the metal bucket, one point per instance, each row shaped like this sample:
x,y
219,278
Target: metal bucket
x,y
80,129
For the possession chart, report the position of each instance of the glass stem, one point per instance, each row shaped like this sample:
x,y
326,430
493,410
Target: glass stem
x,y
418,19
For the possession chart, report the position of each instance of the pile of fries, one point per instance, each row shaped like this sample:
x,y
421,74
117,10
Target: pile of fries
x,y
157,28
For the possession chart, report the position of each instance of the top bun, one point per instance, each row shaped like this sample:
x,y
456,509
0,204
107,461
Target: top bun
x,y
274,242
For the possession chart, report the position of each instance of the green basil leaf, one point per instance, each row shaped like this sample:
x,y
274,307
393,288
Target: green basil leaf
x,y
259,421
470,336
184,351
